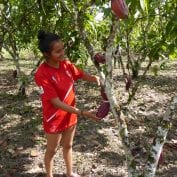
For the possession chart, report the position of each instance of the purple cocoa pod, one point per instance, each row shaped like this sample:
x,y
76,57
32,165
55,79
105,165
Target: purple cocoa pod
x,y
128,83
103,110
120,8
103,94
99,58
15,74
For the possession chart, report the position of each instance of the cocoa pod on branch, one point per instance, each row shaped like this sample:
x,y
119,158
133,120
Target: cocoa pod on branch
x,y
103,110
128,82
15,74
99,58
103,94
161,159
120,9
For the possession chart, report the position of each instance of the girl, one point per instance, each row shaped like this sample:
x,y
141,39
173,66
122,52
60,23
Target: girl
x,y
55,78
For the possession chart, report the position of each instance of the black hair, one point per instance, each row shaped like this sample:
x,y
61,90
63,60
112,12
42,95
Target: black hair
x,y
46,40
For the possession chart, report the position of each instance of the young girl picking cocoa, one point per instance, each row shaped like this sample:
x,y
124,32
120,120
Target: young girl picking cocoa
x,y
55,77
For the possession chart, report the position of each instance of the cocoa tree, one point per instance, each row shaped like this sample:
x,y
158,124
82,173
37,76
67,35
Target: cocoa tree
x,y
20,23
116,107
17,34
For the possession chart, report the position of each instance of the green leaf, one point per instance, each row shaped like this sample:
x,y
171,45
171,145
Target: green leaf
x,y
173,56
144,5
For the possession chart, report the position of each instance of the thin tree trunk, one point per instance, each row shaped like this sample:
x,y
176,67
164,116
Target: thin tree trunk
x,y
156,150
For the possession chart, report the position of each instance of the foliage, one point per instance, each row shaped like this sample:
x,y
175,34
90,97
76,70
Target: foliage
x,y
150,28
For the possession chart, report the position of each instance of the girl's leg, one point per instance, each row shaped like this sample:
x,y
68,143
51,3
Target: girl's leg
x,y
67,142
53,141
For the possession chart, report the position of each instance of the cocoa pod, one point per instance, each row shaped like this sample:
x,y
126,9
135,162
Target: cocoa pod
x,y
128,81
103,94
161,158
128,84
99,58
119,7
15,74
103,110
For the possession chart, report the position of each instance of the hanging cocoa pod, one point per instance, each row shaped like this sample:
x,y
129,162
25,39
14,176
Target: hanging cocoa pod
x,y
161,158
103,110
15,74
103,94
128,82
119,7
99,58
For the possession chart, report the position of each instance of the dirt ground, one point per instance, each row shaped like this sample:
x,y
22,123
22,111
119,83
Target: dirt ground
x,y
98,151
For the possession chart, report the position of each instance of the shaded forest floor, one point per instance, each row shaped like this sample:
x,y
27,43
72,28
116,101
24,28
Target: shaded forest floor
x,y
97,147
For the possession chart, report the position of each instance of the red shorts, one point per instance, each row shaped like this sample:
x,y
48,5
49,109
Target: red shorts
x,y
59,124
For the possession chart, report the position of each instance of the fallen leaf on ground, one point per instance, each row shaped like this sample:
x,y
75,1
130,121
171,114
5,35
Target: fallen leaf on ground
x,y
33,153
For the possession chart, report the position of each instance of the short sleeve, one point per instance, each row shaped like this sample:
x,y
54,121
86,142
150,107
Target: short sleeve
x,y
76,72
46,89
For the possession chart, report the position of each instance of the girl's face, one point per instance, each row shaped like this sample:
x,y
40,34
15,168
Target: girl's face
x,y
57,53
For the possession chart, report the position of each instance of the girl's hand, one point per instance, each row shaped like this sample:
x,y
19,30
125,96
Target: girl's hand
x,y
90,115
91,78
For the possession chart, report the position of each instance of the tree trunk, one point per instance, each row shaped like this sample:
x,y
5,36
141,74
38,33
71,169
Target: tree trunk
x,y
156,150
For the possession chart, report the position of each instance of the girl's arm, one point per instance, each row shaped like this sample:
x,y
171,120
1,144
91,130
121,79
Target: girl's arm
x,y
56,102
91,78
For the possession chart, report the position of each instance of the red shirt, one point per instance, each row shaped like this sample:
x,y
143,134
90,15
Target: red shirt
x,y
53,83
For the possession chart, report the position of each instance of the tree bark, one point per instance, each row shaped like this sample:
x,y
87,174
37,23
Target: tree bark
x,y
156,150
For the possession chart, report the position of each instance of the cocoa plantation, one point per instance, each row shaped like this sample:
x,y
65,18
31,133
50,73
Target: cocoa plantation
x,y
132,47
